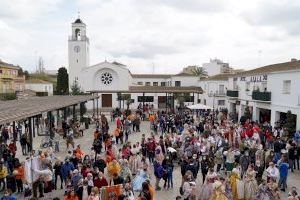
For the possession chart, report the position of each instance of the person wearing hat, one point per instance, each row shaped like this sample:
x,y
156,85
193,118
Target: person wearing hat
x,y
76,177
66,168
219,191
3,174
233,179
272,172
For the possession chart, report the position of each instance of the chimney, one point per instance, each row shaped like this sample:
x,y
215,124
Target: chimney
x,y
293,60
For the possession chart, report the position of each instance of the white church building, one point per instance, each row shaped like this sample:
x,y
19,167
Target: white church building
x,y
110,79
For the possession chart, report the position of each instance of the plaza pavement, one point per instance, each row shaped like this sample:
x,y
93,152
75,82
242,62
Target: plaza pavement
x,y
87,140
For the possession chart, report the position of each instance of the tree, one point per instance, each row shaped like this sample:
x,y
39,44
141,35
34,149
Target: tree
x,y
181,98
62,87
290,124
200,72
247,113
75,89
26,73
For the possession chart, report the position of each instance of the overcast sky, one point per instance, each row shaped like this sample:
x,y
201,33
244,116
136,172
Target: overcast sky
x,y
166,34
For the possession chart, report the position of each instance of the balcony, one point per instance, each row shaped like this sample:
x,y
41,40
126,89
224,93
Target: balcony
x,y
261,96
217,94
232,93
7,76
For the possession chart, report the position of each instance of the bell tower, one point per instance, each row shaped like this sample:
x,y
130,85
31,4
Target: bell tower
x,y
78,52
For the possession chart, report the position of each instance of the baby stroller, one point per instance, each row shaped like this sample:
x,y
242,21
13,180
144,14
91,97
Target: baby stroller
x,y
172,154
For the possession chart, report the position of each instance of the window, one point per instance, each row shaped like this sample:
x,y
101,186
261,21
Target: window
x,y
146,98
204,102
155,83
247,86
106,78
0,71
286,87
177,83
140,83
221,89
221,102
199,100
147,83
235,86
264,86
163,84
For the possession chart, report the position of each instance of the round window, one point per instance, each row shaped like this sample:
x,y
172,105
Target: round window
x,y
106,78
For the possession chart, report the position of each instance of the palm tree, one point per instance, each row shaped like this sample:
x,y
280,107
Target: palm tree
x,y
200,72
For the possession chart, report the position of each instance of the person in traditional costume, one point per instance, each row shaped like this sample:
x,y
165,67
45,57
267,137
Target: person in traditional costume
x,y
139,179
159,157
125,170
219,191
113,168
207,187
250,183
264,192
230,159
233,179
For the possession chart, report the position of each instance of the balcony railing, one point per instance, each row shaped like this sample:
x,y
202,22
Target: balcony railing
x,y
232,93
217,94
7,76
261,96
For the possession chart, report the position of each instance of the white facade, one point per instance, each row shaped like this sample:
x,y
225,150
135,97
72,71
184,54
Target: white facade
x,y
285,99
216,66
214,93
40,87
78,52
268,91
110,78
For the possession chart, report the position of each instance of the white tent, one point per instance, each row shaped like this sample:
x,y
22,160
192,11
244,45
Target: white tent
x,y
199,107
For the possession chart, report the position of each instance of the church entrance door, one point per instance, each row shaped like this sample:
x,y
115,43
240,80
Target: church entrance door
x,y
107,100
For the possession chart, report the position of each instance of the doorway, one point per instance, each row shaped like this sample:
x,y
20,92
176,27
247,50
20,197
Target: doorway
x,y
107,100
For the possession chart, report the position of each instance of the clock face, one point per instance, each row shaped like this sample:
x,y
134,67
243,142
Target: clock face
x,y
77,49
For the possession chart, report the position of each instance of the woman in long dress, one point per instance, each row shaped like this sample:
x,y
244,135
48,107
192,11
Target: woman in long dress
x,y
233,179
219,192
250,183
207,187
139,179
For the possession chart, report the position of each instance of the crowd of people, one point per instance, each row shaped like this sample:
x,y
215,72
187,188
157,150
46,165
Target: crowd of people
x,y
245,160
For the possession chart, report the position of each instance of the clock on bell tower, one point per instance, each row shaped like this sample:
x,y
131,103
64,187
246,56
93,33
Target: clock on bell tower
x,y
78,51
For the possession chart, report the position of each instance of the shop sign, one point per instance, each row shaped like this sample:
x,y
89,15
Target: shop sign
x,y
261,78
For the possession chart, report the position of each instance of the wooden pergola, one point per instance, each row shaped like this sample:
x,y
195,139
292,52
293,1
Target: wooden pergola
x,y
154,89
32,107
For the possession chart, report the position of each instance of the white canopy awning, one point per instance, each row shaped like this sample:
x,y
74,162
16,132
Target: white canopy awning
x,y
199,107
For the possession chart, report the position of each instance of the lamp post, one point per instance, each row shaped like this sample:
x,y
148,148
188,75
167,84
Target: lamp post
x,y
214,95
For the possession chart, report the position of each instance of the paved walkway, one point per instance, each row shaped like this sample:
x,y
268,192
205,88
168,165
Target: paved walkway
x,y
86,143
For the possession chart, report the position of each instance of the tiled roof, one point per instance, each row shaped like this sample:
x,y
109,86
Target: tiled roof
x,y
156,89
219,77
37,81
287,66
8,65
184,74
151,75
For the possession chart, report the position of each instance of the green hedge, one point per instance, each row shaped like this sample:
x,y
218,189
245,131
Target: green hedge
x,y
8,96
41,94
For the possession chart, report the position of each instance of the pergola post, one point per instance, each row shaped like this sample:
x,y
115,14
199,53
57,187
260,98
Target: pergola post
x,y
93,107
14,131
97,107
193,98
65,114
57,117
74,112
33,127
166,102
143,100
30,133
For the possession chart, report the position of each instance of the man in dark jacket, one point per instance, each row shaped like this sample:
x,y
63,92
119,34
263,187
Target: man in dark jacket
x,y
204,167
244,162
100,164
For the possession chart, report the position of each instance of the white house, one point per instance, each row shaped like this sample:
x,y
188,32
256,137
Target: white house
x,y
269,91
111,79
37,85
216,66
214,91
